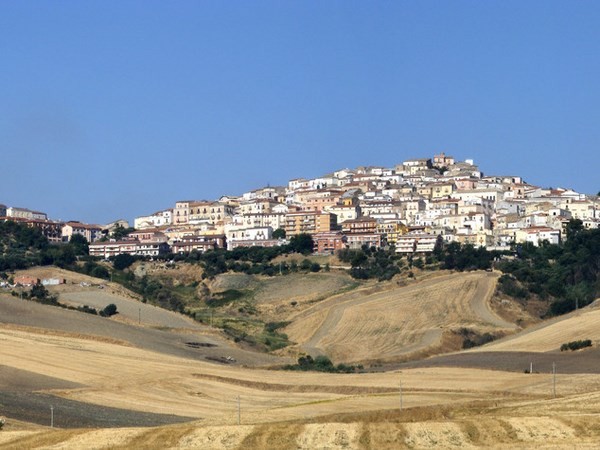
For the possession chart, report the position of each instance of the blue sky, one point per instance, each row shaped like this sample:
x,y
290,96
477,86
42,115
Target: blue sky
x,y
113,109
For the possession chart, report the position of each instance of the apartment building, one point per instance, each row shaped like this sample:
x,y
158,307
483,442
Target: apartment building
x,y
24,213
310,222
318,200
199,243
131,247
329,242
213,213
50,229
158,219
91,232
236,233
416,242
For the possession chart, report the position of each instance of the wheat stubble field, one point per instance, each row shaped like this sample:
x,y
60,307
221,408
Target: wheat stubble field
x,y
397,322
131,395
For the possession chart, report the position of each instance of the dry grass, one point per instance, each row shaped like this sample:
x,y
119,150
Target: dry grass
x,y
550,335
273,437
399,321
442,407
65,334
48,438
73,280
476,432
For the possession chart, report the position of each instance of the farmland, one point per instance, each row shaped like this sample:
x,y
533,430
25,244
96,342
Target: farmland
x,y
398,321
115,383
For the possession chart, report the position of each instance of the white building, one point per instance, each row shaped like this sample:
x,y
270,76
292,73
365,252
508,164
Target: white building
x,y
416,242
158,219
235,234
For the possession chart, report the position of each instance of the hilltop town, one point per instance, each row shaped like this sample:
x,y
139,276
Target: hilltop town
x,y
407,206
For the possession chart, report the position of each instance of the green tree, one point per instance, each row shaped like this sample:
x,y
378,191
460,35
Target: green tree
x,y
279,233
573,227
119,232
123,261
438,249
302,243
39,291
80,244
100,272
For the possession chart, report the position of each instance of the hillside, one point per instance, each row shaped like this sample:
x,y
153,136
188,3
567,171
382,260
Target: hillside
x,y
549,335
150,388
391,322
441,407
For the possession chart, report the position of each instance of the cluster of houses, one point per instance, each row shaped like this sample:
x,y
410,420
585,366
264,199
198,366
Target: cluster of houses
x,y
408,206
58,231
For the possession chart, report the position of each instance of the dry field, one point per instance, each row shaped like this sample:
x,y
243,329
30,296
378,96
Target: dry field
x,y
550,335
300,287
441,407
374,324
118,385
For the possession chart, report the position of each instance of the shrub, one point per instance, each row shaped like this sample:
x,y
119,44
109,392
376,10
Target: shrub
x,y
225,297
270,327
87,309
321,364
576,345
110,310
305,265
100,272
509,286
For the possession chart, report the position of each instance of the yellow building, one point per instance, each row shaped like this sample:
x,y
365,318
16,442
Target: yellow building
x,y
309,222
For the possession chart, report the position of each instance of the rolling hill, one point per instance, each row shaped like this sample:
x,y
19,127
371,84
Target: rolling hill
x,y
394,322
120,384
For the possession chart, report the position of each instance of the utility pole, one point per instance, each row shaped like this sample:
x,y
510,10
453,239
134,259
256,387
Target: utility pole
x,y
400,395
531,367
51,416
239,411
139,316
554,379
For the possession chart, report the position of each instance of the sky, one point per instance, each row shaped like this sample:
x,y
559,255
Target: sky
x,y
117,109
